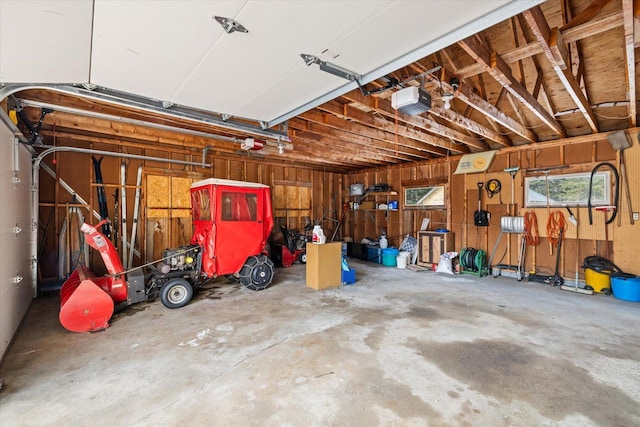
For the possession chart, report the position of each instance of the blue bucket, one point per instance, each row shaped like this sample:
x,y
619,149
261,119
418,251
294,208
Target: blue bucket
x,y
389,256
626,288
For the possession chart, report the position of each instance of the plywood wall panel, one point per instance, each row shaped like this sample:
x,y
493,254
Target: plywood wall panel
x,y
578,153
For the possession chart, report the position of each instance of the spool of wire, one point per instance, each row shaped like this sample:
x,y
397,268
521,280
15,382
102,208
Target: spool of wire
x,y
512,224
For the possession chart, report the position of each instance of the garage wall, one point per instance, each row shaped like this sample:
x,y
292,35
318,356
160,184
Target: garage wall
x,y
165,218
462,201
17,272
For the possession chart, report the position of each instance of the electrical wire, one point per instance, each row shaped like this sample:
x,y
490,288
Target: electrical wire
x,y
611,117
531,235
555,224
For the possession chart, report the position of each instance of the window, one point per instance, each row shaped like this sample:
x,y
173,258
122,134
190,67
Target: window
x,y
424,196
569,189
239,206
201,205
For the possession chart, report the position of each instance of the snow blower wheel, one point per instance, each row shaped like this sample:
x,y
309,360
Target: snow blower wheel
x,y
176,293
257,273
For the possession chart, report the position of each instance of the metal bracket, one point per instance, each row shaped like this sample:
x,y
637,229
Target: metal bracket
x,y
17,279
230,25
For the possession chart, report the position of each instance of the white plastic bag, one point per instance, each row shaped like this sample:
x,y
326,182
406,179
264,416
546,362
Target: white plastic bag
x,y
445,266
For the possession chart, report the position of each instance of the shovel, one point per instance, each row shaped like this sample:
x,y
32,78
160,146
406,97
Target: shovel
x,y
572,219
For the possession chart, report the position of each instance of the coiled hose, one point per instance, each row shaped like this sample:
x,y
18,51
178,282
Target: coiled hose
x,y
473,259
532,237
615,196
603,265
555,224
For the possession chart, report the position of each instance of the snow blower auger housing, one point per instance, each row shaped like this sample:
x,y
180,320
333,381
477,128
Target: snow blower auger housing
x,y
232,221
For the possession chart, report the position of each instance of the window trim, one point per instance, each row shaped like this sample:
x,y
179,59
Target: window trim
x,y
572,203
422,206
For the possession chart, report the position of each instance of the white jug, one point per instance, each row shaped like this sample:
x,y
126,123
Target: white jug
x,y
317,235
383,242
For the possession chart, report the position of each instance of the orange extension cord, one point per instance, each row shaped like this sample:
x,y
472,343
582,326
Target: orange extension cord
x,y
532,237
555,223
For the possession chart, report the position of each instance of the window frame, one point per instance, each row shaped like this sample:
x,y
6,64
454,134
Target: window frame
x,y
605,201
425,187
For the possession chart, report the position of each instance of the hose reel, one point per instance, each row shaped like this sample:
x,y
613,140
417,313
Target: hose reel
x,y
473,261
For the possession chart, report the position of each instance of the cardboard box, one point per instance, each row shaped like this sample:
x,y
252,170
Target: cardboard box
x,y
324,265
368,205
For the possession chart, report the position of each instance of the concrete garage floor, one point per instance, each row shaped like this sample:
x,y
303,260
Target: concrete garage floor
x,y
398,348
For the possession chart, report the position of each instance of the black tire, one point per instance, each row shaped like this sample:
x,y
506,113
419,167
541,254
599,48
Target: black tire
x,y
606,291
176,293
257,273
232,278
303,258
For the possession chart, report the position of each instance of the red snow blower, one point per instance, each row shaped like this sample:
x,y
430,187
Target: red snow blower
x,y
232,221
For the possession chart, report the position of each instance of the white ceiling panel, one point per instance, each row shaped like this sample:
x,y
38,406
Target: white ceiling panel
x,y
175,51
150,48
45,41
242,66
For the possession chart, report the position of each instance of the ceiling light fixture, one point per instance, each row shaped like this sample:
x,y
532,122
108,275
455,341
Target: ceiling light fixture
x,y
229,25
330,68
447,97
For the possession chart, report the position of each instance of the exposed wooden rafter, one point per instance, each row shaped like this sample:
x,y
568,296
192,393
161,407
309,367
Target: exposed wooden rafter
x,y
384,107
556,53
495,65
629,12
579,32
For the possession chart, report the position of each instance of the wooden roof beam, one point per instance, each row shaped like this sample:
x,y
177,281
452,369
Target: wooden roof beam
x,y
556,52
309,147
500,70
586,15
466,95
370,144
362,117
384,107
576,33
410,139
628,11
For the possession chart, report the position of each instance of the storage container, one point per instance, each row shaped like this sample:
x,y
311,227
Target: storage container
x,y
401,260
598,281
348,277
626,288
374,254
389,257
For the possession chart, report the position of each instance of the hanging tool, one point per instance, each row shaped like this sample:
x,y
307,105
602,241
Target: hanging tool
x,y
123,195
546,171
575,288
102,196
481,217
493,187
571,219
604,210
115,219
136,209
620,141
513,171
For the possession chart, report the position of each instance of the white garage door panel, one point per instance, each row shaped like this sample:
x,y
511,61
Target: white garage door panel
x,y
269,53
151,48
418,24
15,250
47,41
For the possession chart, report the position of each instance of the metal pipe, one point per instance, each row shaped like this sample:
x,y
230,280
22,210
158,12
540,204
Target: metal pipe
x,y
35,183
97,115
36,162
145,104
